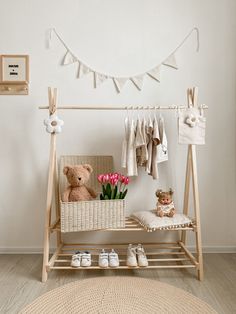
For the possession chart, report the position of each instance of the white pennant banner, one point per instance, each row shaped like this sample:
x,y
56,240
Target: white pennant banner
x,y
83,70
99,79
69,58
155,73
138,81
171,62
119,82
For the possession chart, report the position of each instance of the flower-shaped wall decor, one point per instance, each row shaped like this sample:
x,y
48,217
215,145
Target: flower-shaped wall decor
x,y
191,120
53,124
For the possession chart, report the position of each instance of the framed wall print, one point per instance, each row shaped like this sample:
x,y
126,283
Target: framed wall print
x,y
14,74
14,68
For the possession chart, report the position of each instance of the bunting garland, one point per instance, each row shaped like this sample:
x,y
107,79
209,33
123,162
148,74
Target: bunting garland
x,y
119,82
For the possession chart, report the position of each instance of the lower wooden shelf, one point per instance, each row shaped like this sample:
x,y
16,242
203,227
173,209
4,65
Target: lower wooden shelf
x,y
160,255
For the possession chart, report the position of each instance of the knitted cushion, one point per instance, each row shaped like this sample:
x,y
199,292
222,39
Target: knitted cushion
x,y
150,221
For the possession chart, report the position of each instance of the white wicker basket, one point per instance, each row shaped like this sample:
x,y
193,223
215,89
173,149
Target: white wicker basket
x,y
90,215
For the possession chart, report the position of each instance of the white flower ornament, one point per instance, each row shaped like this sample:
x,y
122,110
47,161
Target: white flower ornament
x,y
191,120
53,124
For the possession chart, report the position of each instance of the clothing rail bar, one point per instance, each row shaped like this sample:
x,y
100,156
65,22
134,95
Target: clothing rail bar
x,y
172,107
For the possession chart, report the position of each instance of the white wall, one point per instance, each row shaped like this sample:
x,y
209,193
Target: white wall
x,y
121,38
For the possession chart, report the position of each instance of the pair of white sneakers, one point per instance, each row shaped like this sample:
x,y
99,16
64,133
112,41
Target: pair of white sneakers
x,y
108,259
81,259
136,256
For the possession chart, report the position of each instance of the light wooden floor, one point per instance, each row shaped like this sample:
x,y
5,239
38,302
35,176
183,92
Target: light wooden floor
x,y
20,280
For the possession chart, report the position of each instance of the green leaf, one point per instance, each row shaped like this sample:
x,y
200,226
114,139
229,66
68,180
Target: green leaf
x,y
114,192
124,194
101,197
103,190
108,190
106,197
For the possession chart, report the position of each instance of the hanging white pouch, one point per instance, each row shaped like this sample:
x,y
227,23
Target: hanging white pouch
x,y
192,125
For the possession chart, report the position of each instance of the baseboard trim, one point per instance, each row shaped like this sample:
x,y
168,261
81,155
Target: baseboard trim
x,y
33,250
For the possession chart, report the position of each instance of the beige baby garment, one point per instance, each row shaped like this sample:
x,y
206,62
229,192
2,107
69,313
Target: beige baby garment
x,y
131,151
141,145
125,144
149,130
155,143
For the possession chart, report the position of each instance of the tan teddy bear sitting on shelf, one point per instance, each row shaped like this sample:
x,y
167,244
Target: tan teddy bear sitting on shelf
x,y
77,177
165,204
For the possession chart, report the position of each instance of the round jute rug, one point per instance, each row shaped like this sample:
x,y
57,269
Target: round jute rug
x,y
117,295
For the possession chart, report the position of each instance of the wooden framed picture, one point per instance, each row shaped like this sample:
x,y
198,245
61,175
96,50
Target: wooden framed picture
x,y
14,69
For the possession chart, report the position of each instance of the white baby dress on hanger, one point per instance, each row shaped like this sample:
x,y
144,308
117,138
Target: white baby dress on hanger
x,y
125,144
192,125
162,149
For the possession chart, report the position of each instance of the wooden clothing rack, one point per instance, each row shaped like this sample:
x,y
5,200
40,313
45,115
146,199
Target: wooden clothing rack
x,y
160,254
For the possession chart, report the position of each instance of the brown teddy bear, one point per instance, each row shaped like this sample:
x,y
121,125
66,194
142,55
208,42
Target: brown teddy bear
x,y
77,177
165,204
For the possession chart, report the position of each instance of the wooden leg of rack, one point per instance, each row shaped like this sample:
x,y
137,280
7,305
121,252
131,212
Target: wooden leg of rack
x,y
197,211
186,190
57,201
48,207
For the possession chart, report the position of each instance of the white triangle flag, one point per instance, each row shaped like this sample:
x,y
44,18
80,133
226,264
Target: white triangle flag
x,y
99,78
119,82
83,69
155,73
69,58
171,62
138,81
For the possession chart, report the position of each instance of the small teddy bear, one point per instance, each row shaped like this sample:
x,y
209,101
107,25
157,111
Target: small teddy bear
x,y
77,177
165,204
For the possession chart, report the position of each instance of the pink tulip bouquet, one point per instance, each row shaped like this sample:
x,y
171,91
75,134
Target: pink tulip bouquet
x,y
114,186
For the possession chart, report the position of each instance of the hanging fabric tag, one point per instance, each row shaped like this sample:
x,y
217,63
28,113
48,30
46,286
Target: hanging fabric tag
x,y
192,127
69,58
171,62
155,73
138,81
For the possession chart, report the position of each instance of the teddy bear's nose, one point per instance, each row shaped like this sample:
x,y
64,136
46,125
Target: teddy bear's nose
x,y
79,178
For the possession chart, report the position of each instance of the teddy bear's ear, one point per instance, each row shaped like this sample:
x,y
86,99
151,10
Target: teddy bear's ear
x,y
88,167
158,193
66,169
171,192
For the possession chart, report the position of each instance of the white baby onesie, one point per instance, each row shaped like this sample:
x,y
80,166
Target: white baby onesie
x,y
131,151
155,144
125,144
162,149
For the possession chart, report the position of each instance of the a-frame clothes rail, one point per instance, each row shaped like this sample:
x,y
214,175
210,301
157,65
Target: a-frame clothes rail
x,y
160,254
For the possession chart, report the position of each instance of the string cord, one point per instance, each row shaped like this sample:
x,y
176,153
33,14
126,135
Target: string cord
x,y
195,29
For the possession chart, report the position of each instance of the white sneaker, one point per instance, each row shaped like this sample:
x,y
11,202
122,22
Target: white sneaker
x,y
86,259
131,260
76,259
103,259
142,258
113,259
